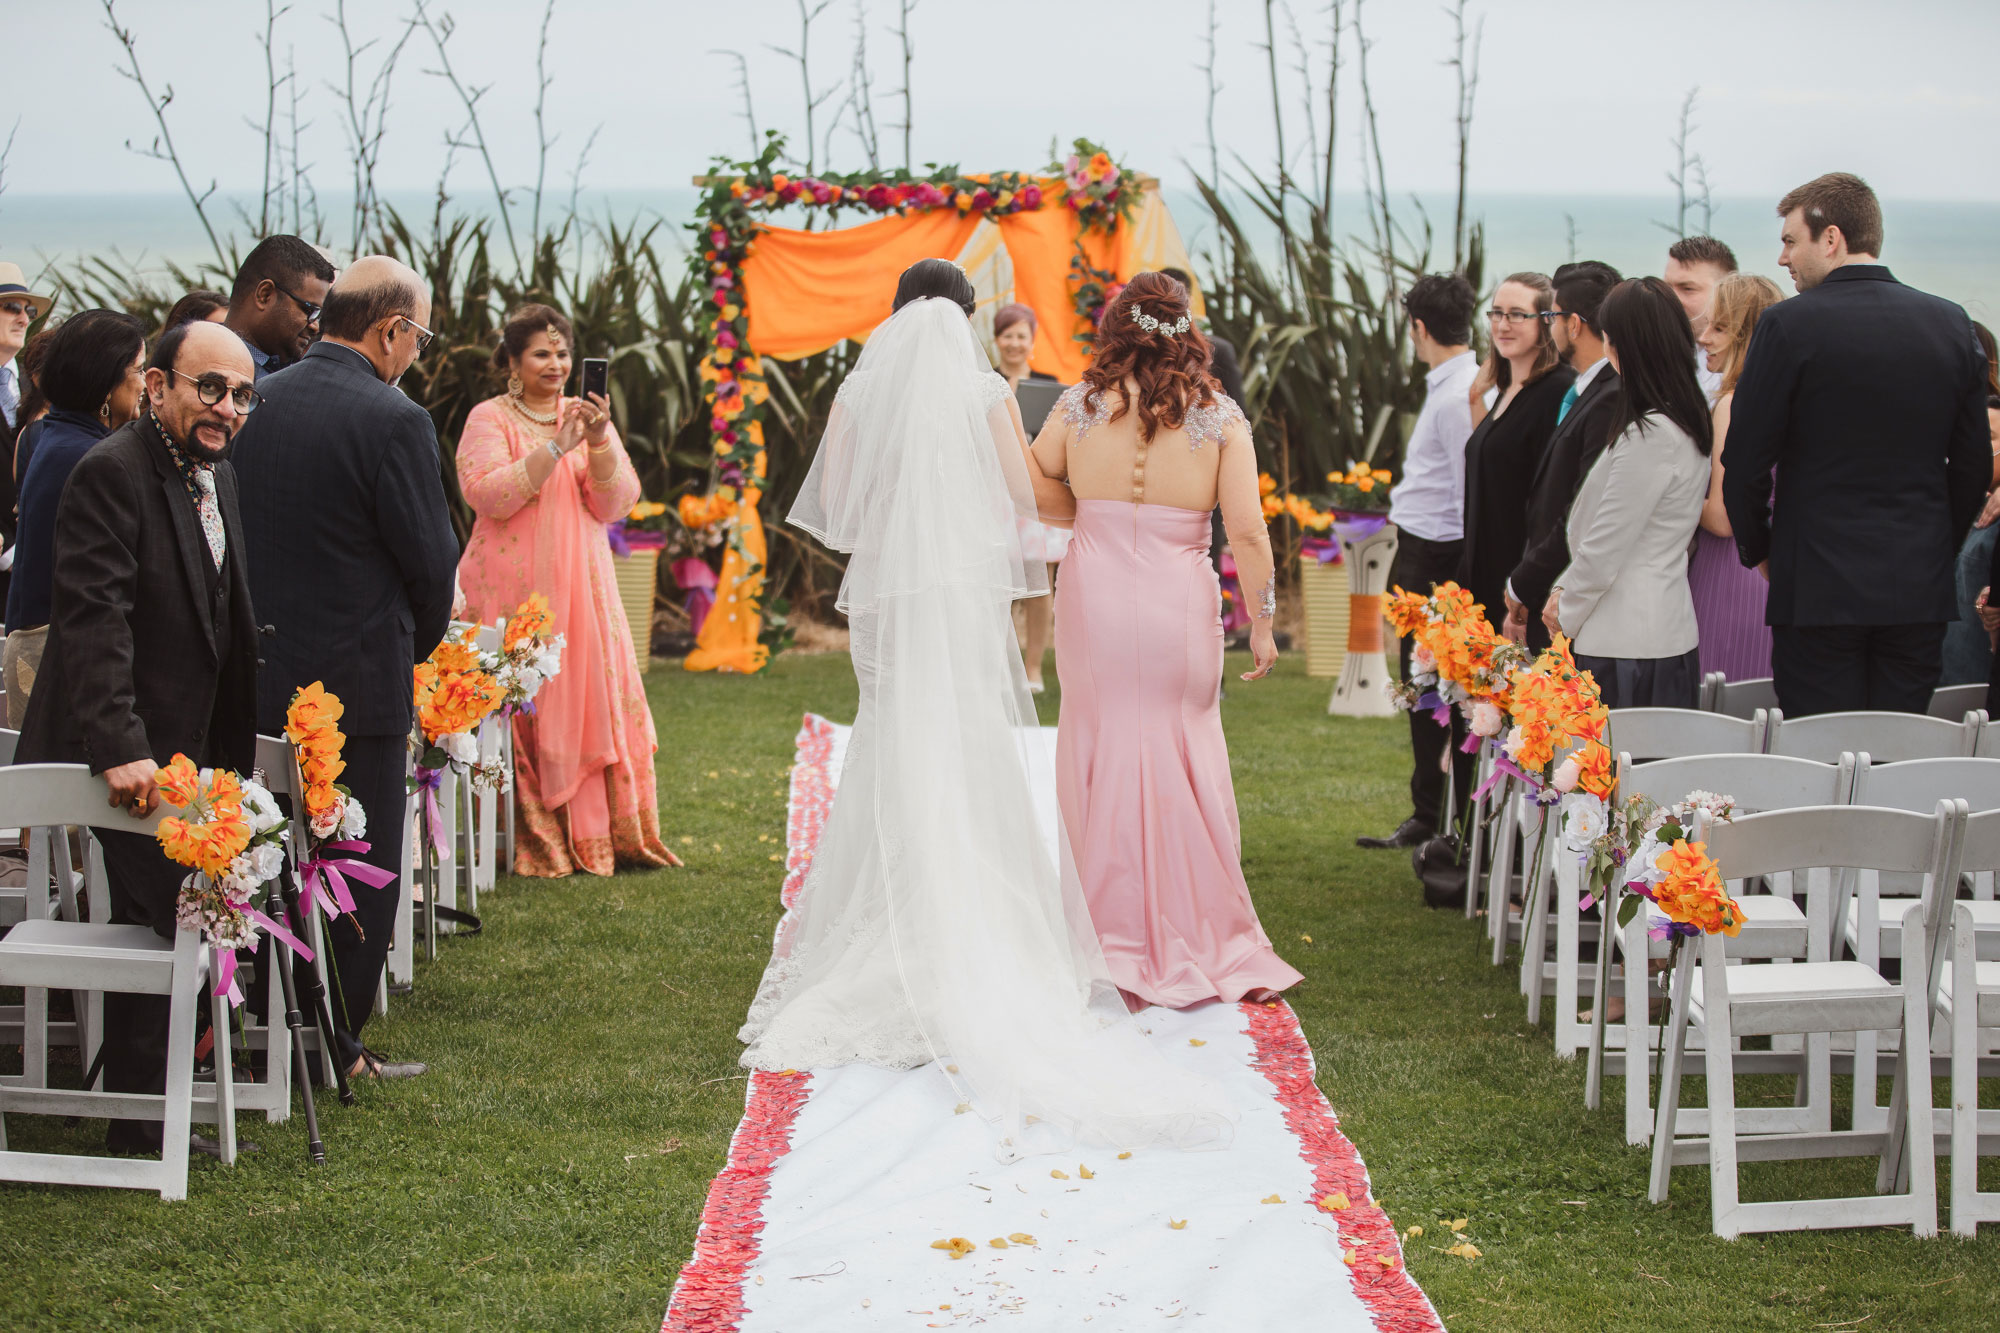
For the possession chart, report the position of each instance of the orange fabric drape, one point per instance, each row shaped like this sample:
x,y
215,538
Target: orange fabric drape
x,y
1041,244
804,291
728,638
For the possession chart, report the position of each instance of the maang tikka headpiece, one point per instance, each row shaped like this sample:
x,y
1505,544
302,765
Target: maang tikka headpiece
x,y
1152,325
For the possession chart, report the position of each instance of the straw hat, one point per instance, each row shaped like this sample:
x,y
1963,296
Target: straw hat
x,y
14,285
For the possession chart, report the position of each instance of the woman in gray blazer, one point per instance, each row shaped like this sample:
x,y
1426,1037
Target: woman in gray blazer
x,y
1624,598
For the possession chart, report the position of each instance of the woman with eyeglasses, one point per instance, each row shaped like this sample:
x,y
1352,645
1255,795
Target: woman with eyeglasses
x,y
93,375
1624,600
545,474
1515,400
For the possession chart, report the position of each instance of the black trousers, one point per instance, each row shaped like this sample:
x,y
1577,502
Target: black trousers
x,y
375,776
1845,668
144,887
1420,564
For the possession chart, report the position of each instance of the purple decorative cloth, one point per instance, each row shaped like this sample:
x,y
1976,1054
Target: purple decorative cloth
x,y
1728,610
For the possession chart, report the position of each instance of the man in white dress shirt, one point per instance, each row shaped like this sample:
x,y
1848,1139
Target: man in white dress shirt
x,y
1694,265
1428,509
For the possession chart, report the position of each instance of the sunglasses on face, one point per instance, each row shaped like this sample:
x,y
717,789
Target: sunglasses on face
x,y
212,389
1514,317
309,308
25,308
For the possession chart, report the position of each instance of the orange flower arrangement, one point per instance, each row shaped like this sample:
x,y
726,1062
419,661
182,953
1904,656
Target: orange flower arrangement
x,y
531,620
1596,770
1691,892
215,831
453,694
312,725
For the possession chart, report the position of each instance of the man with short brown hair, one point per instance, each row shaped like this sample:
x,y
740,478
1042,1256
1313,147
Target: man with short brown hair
x,y
1694,265
1865,401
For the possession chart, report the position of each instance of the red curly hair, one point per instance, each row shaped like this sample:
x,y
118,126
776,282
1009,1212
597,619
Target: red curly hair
x,y
1170,369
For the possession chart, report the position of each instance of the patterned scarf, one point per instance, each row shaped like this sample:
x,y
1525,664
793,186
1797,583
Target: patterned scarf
x,y
199,478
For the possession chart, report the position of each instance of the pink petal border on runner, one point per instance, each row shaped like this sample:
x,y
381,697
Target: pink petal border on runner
x,y
1394,1301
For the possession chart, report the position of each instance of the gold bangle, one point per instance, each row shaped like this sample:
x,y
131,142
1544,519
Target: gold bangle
x,y
594,452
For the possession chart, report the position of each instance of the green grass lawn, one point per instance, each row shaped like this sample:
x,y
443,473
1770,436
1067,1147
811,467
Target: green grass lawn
x,y
549,1172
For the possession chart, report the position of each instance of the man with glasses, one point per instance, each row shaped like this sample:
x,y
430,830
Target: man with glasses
x,y
352,560
152,647
1583,429
275,302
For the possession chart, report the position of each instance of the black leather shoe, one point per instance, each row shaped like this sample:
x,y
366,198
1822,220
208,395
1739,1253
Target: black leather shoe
x,y
1409,833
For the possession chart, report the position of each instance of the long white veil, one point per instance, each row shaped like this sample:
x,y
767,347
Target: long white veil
x,y
933,925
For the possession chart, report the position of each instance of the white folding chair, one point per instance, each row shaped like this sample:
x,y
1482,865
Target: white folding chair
x,y
1889,737
1775,927
1741,698
401,967
1875,932
41,953
1771,999
1953,702
1674,733
1968,1004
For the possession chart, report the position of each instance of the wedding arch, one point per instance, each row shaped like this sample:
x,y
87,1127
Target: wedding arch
x,y
1072,234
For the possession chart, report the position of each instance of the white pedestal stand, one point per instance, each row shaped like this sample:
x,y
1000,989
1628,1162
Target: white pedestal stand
x,y
1359,692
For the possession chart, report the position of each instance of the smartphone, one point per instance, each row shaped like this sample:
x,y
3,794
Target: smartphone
x,y
596,377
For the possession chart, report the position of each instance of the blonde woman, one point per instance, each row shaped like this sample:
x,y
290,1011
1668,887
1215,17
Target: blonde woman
x,y
1729,599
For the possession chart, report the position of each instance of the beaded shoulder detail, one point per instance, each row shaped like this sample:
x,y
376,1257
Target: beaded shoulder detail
x,y
992,390
852,386
1081,416
1206,424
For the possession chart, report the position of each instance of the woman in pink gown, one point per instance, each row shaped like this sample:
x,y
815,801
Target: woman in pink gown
x,y
545,474
1149,443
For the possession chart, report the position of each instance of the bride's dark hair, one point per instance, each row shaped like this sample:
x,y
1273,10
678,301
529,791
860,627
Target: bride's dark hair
x,y
935,277
1171,369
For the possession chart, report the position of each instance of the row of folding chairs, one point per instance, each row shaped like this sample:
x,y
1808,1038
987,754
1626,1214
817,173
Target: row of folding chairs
x,y
1742,698
1771,982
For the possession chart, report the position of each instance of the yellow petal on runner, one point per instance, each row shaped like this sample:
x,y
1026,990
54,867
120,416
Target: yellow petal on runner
x,y
1177,1226
1335,1202
961,1108
1021,1238
1196,1041
1123,1155
1347,1257
1058,1174
998,1242
958,1245
1271,1198
1085,1173
1386,1260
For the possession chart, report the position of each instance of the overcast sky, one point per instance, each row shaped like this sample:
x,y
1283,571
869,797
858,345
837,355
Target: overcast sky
x,y
1573,98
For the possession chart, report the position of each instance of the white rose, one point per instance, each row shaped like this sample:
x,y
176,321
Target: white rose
x,y
1486,719
1568,773
1641,867
267,859
1584,820
528,681
459,747
260,808
353,820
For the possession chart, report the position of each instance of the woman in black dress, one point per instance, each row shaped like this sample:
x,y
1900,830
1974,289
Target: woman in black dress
x,y
1508,438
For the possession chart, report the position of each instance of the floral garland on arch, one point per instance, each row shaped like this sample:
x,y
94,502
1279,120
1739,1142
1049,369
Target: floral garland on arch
x,y
231,837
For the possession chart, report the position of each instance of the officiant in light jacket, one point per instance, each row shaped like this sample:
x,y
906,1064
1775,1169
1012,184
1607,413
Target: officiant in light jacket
x,y
1624,598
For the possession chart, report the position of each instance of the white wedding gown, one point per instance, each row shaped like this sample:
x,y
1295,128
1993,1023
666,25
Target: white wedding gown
x,y
932,925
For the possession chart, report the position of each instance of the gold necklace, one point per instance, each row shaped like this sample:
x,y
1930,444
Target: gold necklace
x,y
514,401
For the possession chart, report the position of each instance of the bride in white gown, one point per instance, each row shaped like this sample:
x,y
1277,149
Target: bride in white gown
x,y
933,926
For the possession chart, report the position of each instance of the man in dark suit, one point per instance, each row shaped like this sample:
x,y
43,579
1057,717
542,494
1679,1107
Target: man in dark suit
x,y
1869,401
352,564
274,302
1583,429
152,646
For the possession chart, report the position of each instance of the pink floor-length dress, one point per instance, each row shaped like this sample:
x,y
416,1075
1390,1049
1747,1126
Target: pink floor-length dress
x,y
1142,769
583,781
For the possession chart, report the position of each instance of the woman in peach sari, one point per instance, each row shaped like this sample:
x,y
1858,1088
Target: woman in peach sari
x,y
545,474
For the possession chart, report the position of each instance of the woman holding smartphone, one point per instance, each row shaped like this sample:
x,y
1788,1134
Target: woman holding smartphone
x,y
545,474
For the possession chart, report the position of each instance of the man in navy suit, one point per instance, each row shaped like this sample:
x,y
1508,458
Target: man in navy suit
x,y
1864,403
352,557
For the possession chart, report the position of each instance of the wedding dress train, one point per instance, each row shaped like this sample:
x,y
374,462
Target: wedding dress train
x,y
932,925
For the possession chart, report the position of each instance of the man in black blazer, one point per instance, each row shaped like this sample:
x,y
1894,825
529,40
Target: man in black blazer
x,y
352,564
1583,429
1869,401
152,646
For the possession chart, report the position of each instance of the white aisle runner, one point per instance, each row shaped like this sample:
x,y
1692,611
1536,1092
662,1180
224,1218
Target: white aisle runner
x,y
839,1180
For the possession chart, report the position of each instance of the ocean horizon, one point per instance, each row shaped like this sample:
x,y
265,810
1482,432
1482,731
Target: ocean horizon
x,y
1943,247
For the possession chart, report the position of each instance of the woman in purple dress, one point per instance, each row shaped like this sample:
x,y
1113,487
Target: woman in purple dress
x,y
1729,599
